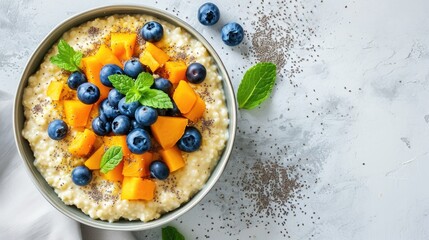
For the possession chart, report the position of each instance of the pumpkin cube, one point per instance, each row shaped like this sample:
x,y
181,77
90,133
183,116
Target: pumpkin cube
x,y
176,71
94,160
135,188
148,60
160,56
120,141
122,45
197,111
91,67
105,56
173,158
82,143
76,112
185,97
54,90
168,130
115,174
137,165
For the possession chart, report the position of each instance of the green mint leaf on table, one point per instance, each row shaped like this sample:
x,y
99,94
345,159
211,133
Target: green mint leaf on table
x,y
144,81
156,99
67,58
122,83
111,158
257,85
132,95
171,233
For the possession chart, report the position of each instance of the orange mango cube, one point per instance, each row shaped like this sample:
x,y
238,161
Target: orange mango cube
x,y
185,97
76,112
176,71
54,90
82,143
94,160
114,174
168,130
197,111
173,158
137,165
160,56
148,60
123,44
135,188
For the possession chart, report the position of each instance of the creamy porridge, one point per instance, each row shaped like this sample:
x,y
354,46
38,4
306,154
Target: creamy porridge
x,y
101,198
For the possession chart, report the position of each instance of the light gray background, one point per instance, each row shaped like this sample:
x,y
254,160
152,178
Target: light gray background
x,y
353,122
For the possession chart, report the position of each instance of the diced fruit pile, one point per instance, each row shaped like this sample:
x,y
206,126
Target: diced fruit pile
x,y
116,100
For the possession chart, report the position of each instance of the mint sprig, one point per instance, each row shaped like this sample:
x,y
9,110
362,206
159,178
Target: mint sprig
x,y
67,58
256,85
111,158
139,90
171,233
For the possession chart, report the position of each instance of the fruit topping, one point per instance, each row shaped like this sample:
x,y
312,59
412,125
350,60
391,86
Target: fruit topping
x,y
145,115
173,158
114,97
121,125
122,45
168,130
152,31
190,141
135,188
54,90
138,141
196,73
133,68
77,113
82,144
108,110
57,129
163,85
128,109
159,170
176,71
88,93
101,126
76,79
106,71
81,176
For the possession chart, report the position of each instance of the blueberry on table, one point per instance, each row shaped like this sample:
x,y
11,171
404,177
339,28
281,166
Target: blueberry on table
x,y
121,125
152,31
114,97
76,79
159,170
232,34
81,175
101,126
190,141
108,111
208,14
196,73
108,70
128,108
88,93
146,116
138,141
133,68
57,129
163,85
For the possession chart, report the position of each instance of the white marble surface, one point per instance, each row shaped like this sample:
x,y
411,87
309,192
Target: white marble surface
x,y
353,126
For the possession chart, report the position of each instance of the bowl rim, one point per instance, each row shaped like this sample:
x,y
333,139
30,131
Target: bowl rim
x,y
26,153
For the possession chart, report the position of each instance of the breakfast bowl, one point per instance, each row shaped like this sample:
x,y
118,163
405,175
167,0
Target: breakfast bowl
x,y
50,161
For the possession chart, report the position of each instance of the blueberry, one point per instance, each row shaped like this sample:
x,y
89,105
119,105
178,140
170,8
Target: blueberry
x,y
133,68
174,112
163,85
108,70
128,108
81,175
107,110
190,141
57,129
114,97
159,170
152,31
208,14
88,93
146,116
135,124
76,79
101,126
232,34
196,73
121,125
138,141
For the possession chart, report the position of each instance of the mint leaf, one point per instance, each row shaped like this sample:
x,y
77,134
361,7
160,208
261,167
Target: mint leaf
x,y
111,158
133,95
144,80
67,58
256,85
156,99
122,83
171,233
